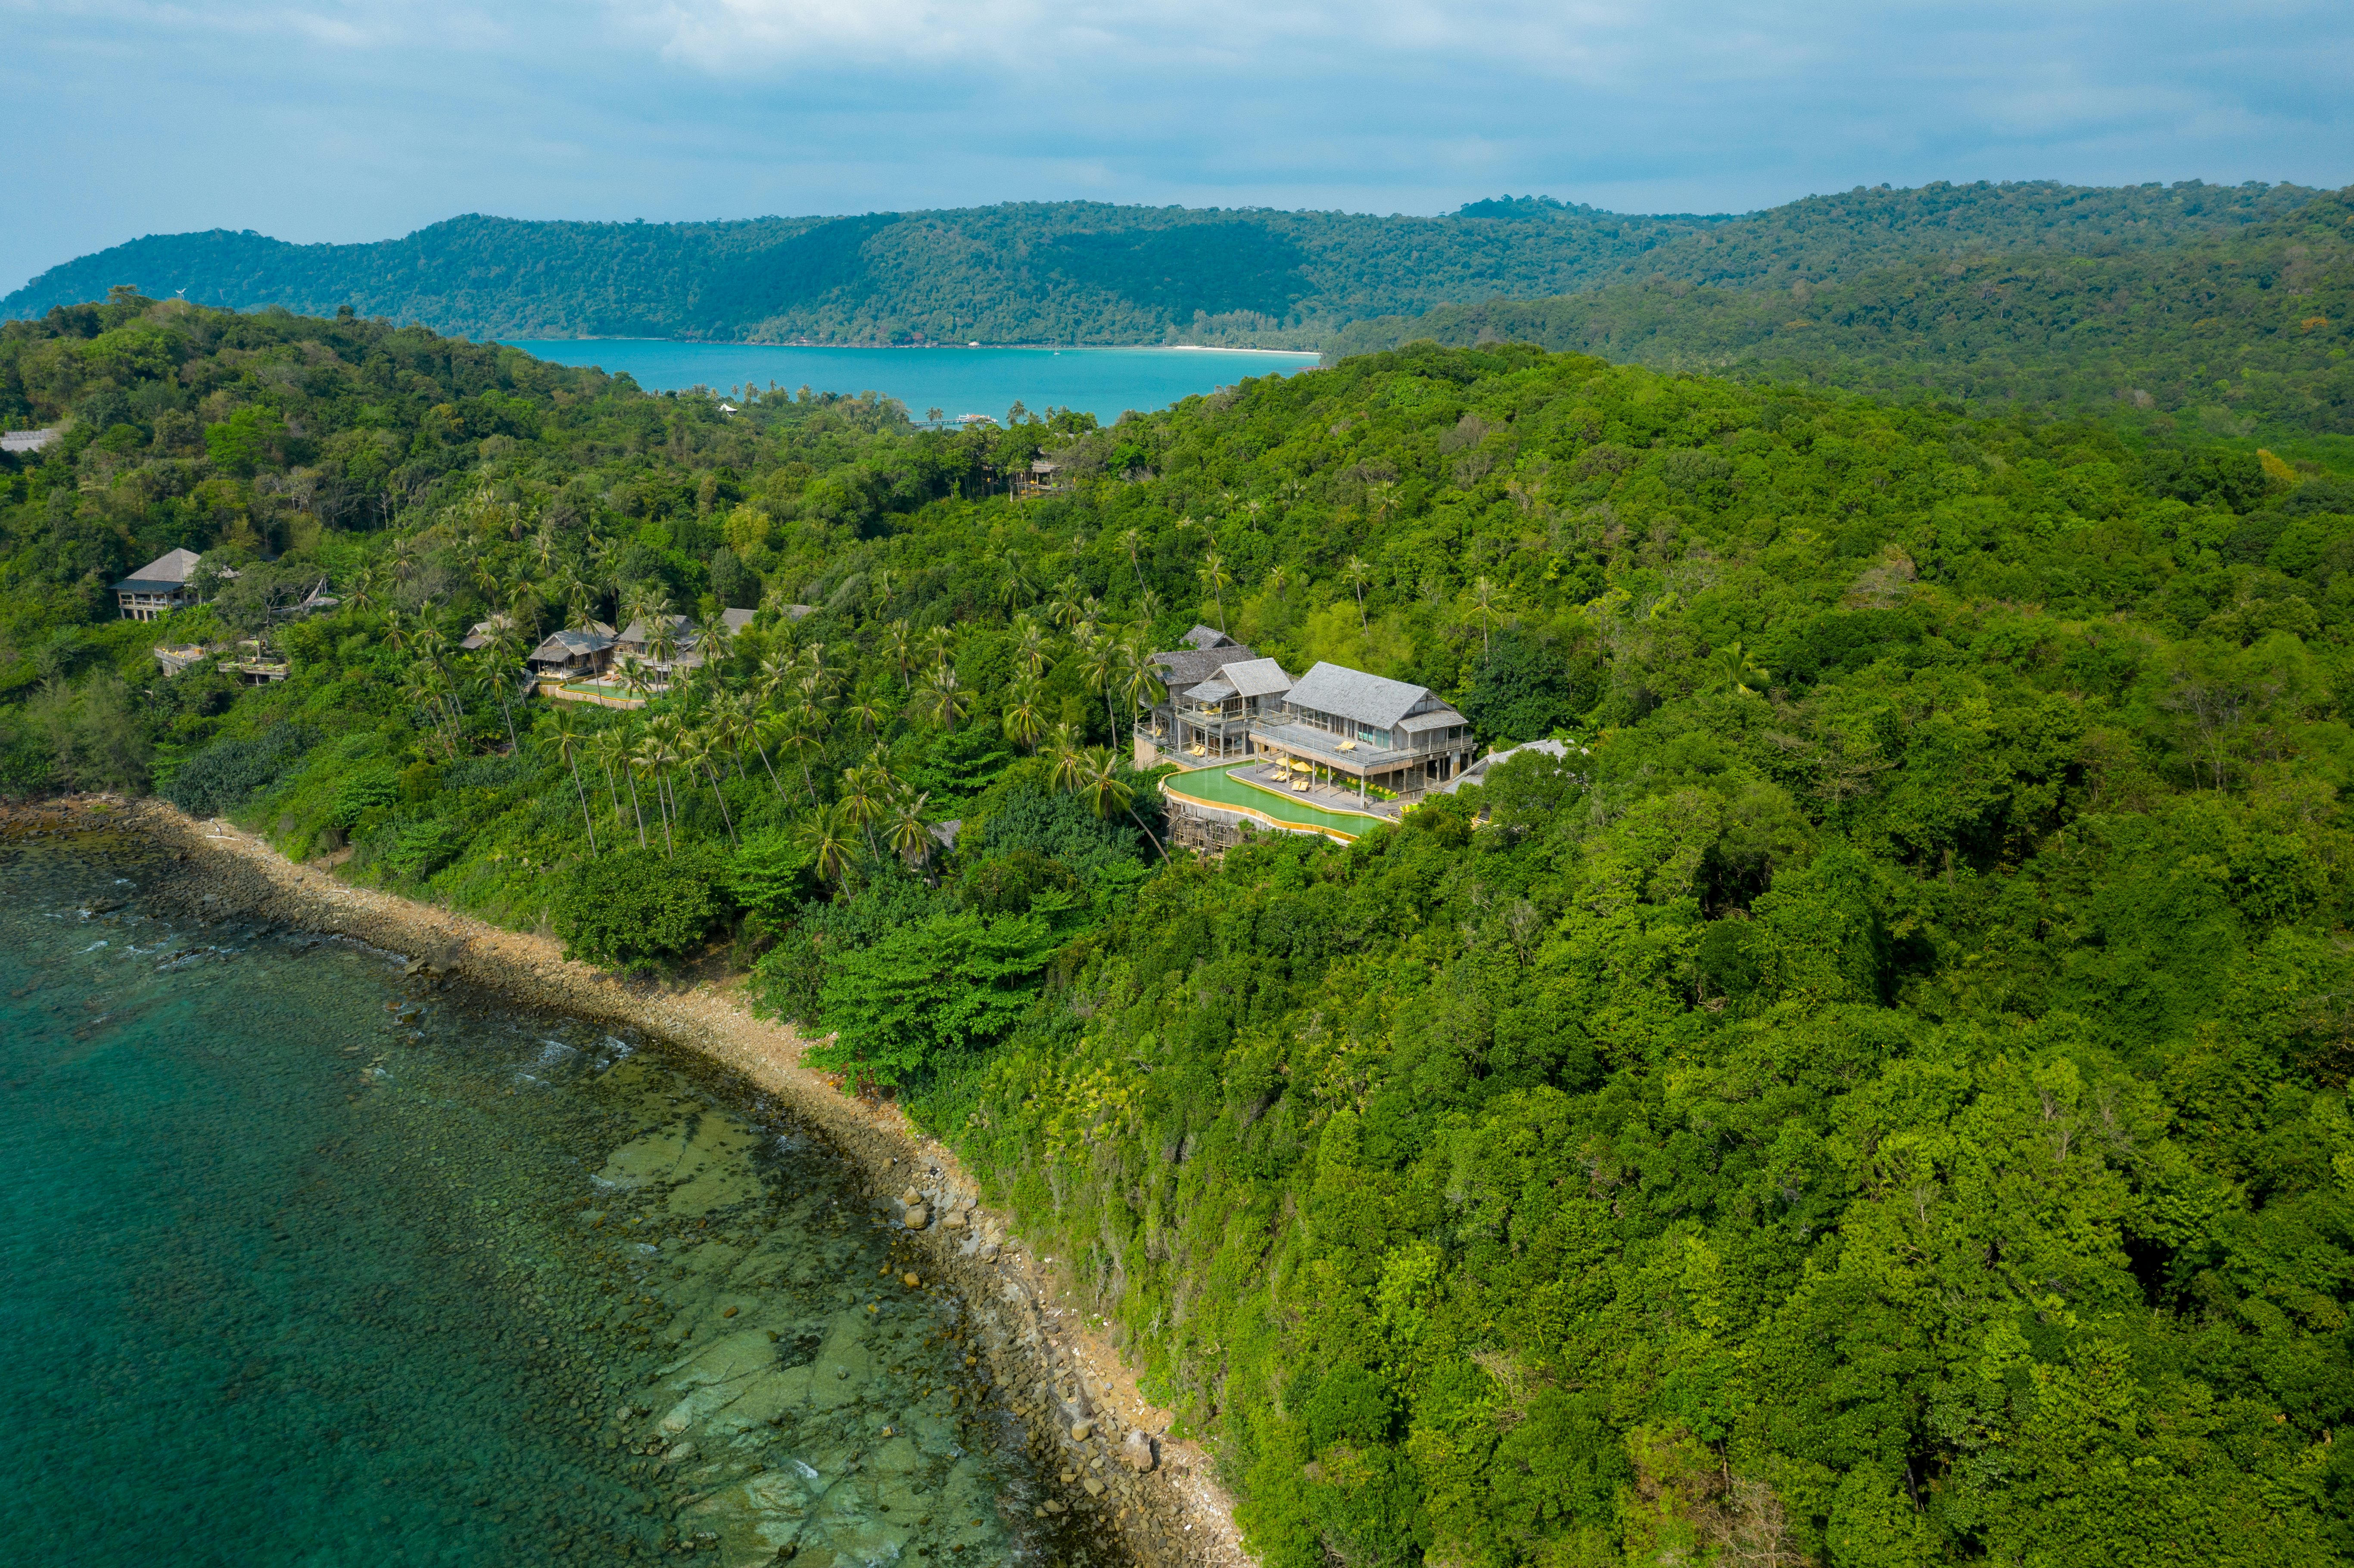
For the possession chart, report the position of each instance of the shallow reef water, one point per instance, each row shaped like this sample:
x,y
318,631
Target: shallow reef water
x,y
312,1262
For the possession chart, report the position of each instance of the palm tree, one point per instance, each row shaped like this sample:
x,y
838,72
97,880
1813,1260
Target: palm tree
x,y
1025,719
1357,572
1099,664
943,698
1068,765
909,835
937,642
864,791
1731,669
1133,542
1217,579
1483,605
694,750
807,725
1030,646
1105,791
570,743
825,833
612,753
655,756
763,728
1140,681
899,643
1014,587
869,713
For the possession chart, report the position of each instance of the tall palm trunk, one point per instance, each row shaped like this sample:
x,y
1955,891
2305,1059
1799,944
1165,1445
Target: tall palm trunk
x,y
585,822
639,809
713,774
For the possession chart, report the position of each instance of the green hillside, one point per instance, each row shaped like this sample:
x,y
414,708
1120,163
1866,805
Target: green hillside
x,y
1880,1101
2249,329
1085,272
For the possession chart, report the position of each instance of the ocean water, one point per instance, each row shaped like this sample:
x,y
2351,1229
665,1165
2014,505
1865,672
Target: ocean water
x,y
310,1263
1105,382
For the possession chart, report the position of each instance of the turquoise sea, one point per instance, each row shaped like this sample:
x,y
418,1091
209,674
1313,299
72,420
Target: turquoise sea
x,y
1104,382
309,1263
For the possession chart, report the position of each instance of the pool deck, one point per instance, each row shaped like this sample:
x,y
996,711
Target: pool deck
x,y
1219,788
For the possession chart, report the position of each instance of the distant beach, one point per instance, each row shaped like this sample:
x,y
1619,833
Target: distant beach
x,y
955,379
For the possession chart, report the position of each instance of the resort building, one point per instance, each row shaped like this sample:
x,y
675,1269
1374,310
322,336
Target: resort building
x,y
1331,753
1211,722
1345,728
574,653
1205,653
158,587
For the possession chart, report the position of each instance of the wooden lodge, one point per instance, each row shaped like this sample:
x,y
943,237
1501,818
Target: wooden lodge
x,y
159,588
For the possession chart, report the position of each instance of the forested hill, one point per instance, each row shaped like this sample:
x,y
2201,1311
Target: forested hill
x,y
2247,327
1880,1101
1082,272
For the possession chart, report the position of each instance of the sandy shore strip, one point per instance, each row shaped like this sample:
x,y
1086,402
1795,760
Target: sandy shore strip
x,y
1176,1514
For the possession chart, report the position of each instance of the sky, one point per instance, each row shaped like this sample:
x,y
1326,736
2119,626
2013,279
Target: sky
x,y
315,120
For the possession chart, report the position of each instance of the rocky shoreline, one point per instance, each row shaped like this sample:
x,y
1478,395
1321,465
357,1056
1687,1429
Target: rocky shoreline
x,y
1154,1496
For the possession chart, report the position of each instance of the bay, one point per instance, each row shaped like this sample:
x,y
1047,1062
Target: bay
x,y
312,1262
1105,382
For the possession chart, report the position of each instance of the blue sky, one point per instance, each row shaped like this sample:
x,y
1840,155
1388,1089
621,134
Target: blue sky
x,y
325,120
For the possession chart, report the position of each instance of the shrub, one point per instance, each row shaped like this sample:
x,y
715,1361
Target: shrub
x,y
360,794
224,775
634,910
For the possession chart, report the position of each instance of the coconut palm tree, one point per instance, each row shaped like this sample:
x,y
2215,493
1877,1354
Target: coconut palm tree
x,y
1106,793
1355,570
1025,719
1099,667
613,756
1030,646
1067,764
827,834
869,713
937,641
694,750
1132,544
899,647
1483,605
764,729
654,756
1140,681
908,836
569,744
1217,579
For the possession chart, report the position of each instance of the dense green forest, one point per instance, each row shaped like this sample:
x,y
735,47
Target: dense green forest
x,y
1081,272
2244,328
1881,1100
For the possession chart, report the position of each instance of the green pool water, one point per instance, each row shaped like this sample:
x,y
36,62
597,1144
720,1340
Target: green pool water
x,y
310,1264
1220,787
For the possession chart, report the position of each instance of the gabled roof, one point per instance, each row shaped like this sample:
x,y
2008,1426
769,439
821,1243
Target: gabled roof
x,y
1436,718
1202,639
736,620
169,570
1186,667
1256,677
636,631
1211,691
1353,694
568,645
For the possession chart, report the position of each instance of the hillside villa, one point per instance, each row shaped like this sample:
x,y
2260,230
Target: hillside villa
x,y
1311,753
158,587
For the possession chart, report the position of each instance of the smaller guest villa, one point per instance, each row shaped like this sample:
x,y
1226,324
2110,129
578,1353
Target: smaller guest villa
x,y
158,587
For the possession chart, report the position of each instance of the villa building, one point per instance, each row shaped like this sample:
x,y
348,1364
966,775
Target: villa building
x,y
158,587
1331,753
574,653
1346,728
